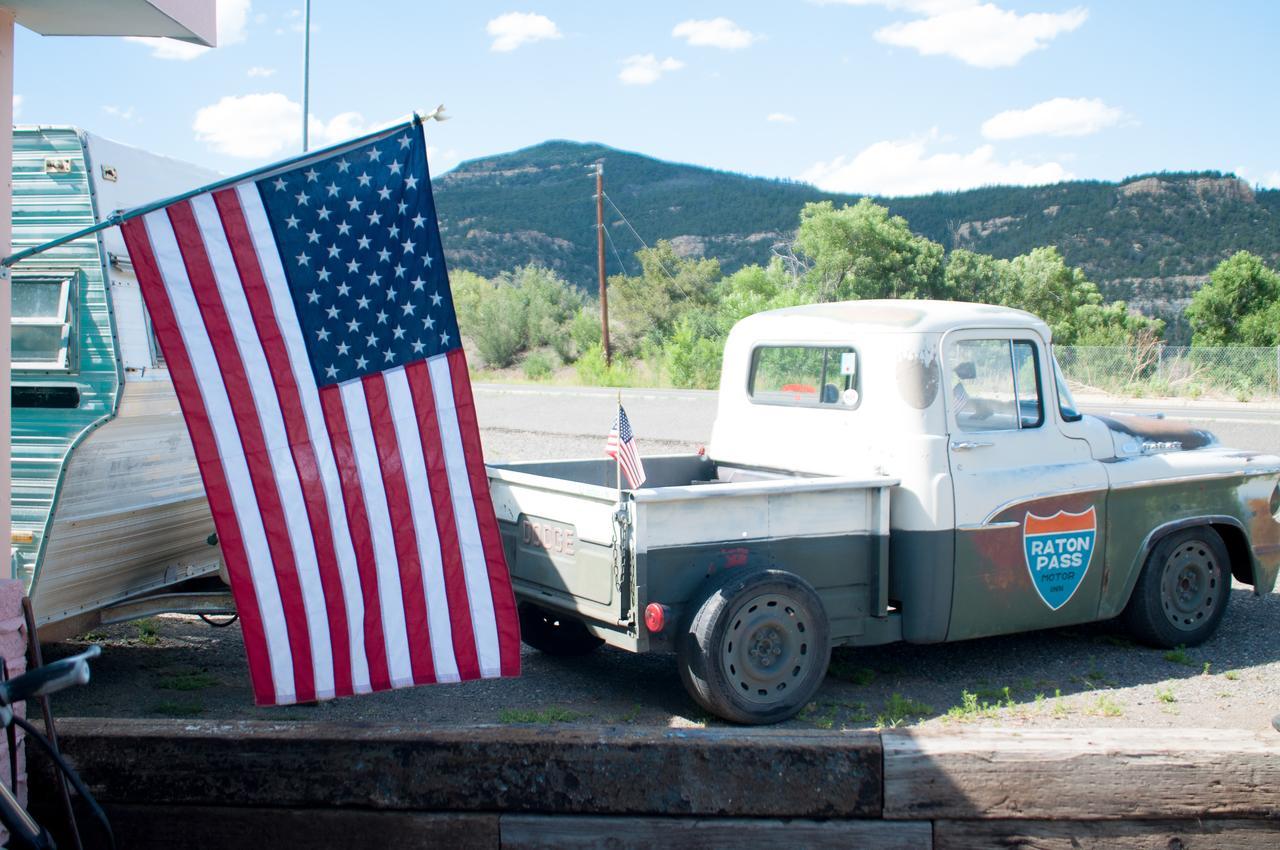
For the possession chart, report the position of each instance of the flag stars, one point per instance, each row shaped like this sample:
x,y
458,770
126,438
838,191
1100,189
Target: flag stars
x,y
408,246
393,231
408,308
332,189
375,217
384,193
372,340
303,259
374,278
312,175
395,166
363,302
343,166
402,207
353,205
353,267
375,155
323,334
331,371
404,141
313,297
382,317
332,312
334,250
411,182
428,323
418,345
343,348
364,178
353,326
419,221
400,270
391,294
436,298
323,276
363,242
418,283
397,332
292,221
361,363
444,338
303,199
324,213
426,258
384,255
343,289
279,184
388,356
313,236
344,229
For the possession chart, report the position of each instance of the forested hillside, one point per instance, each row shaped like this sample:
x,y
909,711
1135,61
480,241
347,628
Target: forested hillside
x,y
1150,240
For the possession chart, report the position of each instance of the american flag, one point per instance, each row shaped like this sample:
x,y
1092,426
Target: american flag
x,y
961,397
621,446
306,318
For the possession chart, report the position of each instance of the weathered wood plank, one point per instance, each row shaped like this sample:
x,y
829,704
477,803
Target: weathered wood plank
x,y
1106,835
166,827
574,770
1095,774
544,832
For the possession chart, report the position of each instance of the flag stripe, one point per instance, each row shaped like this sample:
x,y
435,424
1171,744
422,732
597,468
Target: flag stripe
x,y
503,599
464,511
361,537
405,417
308,396
240,395
303,453
365,453
403,536
455,582
190,400
174,296
229,297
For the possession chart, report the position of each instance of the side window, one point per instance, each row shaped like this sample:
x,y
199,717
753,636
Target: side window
x,y
43,323
994,384
805,376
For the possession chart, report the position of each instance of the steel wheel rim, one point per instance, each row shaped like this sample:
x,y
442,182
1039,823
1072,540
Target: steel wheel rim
x,y
766,650
1190,585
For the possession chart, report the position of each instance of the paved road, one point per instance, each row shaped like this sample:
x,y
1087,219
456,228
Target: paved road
x,y
676,419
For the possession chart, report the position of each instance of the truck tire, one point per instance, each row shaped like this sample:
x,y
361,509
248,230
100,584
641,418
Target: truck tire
x,y
554,633
757,648
1183,590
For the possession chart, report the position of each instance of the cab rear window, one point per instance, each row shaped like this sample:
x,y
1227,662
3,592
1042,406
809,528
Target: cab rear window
x,y
805,376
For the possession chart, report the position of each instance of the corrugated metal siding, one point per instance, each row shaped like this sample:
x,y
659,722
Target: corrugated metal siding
x,y
46,206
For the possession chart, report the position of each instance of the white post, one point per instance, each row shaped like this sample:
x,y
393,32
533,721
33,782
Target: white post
x,y
306,74
6,248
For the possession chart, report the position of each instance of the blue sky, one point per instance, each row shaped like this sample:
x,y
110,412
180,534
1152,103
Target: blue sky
x,y
884,96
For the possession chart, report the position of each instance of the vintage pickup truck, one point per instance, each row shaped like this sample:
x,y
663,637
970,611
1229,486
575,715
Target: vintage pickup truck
x,y
885,471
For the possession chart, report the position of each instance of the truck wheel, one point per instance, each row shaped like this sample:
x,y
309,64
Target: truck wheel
x,y
757,648
555,634
1183,590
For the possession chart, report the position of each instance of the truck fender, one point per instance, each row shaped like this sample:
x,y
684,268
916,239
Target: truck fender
x,y
1231,530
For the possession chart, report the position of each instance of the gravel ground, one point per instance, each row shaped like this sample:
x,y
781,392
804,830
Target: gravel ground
x,y
177,666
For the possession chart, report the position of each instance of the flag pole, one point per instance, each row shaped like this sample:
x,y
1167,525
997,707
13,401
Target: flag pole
x,y
121,216
617,460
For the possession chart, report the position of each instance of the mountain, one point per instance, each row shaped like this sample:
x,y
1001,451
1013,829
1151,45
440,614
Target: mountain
x,y
1150,239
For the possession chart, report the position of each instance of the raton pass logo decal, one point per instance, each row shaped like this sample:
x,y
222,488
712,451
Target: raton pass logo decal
x,y
1059,549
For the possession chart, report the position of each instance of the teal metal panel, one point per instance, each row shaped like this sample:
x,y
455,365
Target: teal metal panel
x,y
46,205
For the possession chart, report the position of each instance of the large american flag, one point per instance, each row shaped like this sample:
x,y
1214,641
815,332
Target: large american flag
x,y
309,330
621,446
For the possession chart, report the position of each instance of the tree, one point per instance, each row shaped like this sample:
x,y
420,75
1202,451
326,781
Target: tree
x,y
647,306
861,251
1239,306
971,276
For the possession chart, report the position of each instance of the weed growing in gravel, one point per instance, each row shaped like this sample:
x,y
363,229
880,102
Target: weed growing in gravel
x,y
899,709
1207,665
1166,695
824,716
1117,640
93,637
175,708
1106,707
971,708
1178,655
554,714
148,632
187,680
1232,675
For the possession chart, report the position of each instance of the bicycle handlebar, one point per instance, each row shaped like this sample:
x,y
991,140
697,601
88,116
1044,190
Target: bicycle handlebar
x,y
50,678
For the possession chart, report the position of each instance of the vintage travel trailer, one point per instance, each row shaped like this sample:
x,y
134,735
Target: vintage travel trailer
x,y
109,513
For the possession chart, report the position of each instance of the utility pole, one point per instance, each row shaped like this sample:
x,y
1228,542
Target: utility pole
x,y
306,73
604,295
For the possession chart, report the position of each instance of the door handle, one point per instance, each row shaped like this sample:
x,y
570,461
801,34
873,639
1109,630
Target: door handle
x,y
965,445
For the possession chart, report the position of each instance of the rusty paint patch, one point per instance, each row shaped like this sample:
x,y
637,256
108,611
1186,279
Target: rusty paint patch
x,y
918,377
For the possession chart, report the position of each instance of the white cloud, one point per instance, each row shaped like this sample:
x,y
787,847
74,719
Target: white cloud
x,y
645,68
1061,116
1270,180
441,160
513,29
781,118
259,71
978,33
907,167
716,32
17,105
124,114
232,17
256,126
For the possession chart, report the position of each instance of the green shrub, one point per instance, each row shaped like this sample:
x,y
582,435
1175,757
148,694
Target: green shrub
x,y
538,366
500,329
593,372
694,352
584,330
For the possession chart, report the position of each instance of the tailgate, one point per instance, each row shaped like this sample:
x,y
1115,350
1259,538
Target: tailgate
x,y
559,540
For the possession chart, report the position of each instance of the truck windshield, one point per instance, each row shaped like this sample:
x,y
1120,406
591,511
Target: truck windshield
x,y
1066,401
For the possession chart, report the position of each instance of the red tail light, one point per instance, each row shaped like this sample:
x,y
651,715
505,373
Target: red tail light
x,y
655,617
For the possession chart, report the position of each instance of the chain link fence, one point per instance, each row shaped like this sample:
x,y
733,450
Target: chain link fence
x,y
1179,371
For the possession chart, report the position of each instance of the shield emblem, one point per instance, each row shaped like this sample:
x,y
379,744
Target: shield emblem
x,y
1059,549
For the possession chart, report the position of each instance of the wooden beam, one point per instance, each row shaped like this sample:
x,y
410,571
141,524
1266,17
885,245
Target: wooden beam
x,y
542,832
1105,835
1095,774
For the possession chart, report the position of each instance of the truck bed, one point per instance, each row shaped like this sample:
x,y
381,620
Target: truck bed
x,y
577,544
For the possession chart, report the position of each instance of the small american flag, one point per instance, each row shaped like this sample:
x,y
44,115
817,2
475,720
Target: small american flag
x,y
309,329
621,446
961,397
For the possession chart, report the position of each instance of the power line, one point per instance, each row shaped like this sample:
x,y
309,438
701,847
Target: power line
x,y
661,265
609,236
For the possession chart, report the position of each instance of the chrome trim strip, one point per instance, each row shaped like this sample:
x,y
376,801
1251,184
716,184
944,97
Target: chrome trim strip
x,y
1204,476
1037,496
989,525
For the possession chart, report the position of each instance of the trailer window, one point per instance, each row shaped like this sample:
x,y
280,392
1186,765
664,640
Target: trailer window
x,y
805,376
43,324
